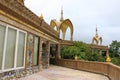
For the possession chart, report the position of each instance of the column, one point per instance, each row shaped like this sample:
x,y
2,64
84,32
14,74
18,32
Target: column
x,y
63,35
40,54
33,54
26,57
57,56
58,51
48,51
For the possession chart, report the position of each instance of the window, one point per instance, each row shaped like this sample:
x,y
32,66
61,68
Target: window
x,y
2,37
12,48
21,47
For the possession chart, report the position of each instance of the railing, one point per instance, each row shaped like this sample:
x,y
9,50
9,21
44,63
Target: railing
x,y
108,69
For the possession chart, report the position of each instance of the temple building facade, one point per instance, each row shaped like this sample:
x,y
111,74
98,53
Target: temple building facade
x,y
25,40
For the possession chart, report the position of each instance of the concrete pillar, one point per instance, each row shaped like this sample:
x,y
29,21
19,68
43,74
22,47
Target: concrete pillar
x,y
40,54
71,37
58,51
48,51
26,57
63,35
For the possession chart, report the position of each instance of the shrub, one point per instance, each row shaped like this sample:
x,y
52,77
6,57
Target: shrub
x,y
116,60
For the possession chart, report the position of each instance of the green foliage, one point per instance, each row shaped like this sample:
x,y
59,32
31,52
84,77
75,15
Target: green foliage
x,y
78,49
69,52
116,60
85,53
82,46
114,49
95,57
82,51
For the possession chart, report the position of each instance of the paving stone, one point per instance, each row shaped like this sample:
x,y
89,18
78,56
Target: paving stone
x,y
62,73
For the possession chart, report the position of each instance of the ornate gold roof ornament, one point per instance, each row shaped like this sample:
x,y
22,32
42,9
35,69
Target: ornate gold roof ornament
x,y
96,38
62,25
96,31
21,1
41,16
61,19
108,59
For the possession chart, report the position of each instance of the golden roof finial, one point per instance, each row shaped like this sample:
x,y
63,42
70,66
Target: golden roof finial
x,y
61,19
41,16
96,30
108,59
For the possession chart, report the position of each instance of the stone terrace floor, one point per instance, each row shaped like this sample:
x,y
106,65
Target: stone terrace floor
x,y
62,73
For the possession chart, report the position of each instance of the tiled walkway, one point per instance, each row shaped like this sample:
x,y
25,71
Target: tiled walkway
x,y
61,73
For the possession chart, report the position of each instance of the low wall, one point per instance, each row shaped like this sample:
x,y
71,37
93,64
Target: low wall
x,y
108,69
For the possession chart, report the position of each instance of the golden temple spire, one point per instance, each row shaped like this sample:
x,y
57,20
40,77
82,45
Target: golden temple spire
x,y
96,30
61,19
97,38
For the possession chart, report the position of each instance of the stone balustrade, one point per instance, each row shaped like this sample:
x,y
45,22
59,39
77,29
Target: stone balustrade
x,y
108,69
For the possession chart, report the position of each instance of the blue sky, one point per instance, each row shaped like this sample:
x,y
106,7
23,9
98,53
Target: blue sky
x,y
84,14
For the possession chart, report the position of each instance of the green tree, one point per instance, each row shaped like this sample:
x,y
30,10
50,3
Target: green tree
x,y
116,60
95,57
82,51
69,52
114,49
